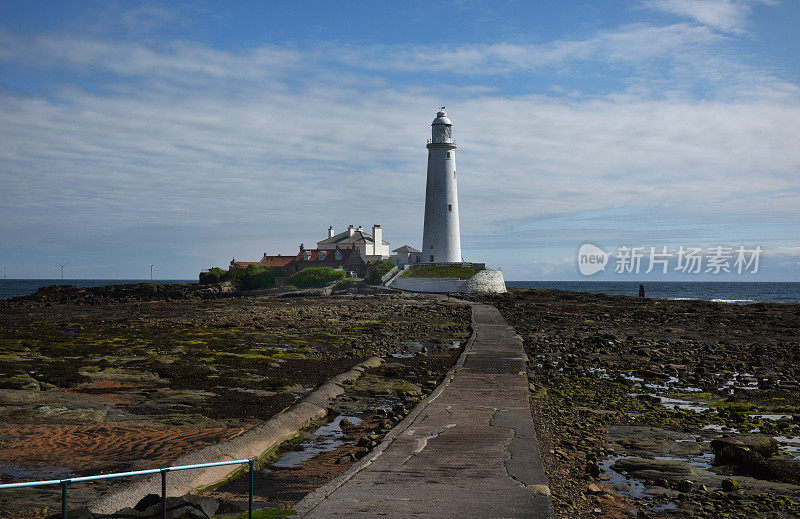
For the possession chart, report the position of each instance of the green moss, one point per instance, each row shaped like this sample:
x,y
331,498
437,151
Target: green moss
x,y
694,396
267,513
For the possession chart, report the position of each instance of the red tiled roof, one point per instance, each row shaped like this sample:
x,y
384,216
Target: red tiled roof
x,y
267,261
276,261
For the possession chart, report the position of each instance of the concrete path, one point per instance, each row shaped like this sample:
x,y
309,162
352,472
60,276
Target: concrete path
x,y
468,450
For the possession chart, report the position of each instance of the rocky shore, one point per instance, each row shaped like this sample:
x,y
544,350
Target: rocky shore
x,y
659,408
125,378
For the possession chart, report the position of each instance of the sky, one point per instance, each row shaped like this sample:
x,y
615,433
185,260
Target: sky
x,y
184,134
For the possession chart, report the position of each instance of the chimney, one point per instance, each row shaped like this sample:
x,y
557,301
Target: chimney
x,y
302,247
377,233
330,231
350,230
360,229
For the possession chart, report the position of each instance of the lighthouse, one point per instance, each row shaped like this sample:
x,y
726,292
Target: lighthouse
x,y
441,237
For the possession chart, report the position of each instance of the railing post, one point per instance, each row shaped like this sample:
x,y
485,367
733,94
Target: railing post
x,y
64,499
164,493
250,502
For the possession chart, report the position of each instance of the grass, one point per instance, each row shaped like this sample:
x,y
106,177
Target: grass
x,y
439,271
315,277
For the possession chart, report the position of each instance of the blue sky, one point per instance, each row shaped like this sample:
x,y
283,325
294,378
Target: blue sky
x,y
184,134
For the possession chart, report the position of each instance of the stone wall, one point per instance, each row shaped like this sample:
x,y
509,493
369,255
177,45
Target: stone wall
x,y
485,281
433,285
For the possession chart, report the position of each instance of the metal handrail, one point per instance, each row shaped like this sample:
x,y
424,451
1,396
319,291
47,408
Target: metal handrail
x,y
163,471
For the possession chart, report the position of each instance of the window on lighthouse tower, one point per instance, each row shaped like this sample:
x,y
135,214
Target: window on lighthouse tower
x,y
449,208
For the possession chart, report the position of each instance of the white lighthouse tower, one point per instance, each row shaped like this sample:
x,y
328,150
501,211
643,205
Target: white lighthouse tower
x,y
441,237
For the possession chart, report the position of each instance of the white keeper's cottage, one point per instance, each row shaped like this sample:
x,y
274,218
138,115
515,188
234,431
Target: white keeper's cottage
x,y
370,246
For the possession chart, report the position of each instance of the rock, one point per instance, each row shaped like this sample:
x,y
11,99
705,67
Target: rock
x,y
594,489
208,505
21,381
750,462
188,506
729,485
764,445
147,501
685,485
593,469
360,453
227,506
650,469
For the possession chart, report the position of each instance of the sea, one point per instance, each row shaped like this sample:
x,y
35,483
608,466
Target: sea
x,y
720,292
22,287
736,293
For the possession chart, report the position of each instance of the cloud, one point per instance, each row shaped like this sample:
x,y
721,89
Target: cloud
x,y
215,153
730,16
633,43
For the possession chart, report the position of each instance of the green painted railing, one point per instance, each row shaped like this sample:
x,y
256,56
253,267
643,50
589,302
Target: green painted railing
x,y
64,483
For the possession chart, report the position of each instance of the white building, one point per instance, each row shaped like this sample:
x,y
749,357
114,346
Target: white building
x,y
441,237
405,255
370,246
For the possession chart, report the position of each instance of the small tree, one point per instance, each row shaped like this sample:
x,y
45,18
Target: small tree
x,y
378,271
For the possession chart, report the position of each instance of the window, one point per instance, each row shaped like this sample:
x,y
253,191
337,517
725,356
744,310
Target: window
x,y
454,173
322,255
449,208
419,258
431,246
448,154
431,258
338,255
306,256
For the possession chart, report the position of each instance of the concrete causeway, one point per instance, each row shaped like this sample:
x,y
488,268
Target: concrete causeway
x,y
468,450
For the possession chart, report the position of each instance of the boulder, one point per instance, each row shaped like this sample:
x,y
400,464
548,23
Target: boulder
x,y
147,501
188,506
22,381
644,468
730,485
764,445
748,461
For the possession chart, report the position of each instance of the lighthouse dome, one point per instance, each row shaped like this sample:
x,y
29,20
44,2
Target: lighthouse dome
x,y
441,118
